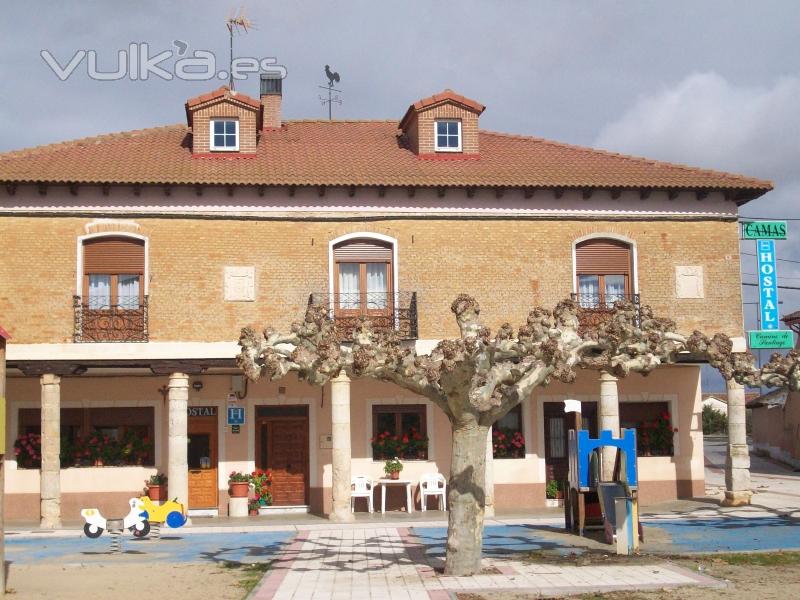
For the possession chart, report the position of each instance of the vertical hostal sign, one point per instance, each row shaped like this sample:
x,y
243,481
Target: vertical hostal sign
x,y
767,284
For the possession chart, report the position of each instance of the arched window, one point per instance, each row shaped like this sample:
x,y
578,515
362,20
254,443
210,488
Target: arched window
x,y
113,273
362,277
603,272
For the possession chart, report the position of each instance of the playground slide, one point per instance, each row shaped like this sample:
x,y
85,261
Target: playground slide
x,y
620,517
607,492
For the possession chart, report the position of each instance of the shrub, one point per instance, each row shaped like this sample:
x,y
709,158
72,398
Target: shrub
x,y
552,489
714,421
262,482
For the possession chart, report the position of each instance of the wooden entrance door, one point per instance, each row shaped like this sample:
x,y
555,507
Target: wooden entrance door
x,y
556,425
282,447
202,459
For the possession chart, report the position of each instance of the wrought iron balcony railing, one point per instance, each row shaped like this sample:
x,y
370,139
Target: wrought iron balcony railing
x,y
393,311
596,309
99,321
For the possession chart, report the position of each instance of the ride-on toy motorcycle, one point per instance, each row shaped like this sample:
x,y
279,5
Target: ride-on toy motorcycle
x,y
136,520
143,512
170,512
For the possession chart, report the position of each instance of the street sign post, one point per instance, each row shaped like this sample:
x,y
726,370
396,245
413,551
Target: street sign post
x,y
764,230
775,339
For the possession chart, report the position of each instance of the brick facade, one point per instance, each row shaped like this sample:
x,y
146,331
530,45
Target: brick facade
x,y
509,265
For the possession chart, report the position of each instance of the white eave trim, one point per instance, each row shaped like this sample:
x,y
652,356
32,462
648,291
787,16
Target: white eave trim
x,y
122,351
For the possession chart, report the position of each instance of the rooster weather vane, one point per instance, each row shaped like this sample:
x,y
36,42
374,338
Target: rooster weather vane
x,y
333,78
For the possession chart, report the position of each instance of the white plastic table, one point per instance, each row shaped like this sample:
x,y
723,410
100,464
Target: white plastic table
x,y
384,482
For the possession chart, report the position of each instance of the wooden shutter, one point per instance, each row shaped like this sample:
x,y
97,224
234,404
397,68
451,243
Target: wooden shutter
x,y
601,256
112,255
363,251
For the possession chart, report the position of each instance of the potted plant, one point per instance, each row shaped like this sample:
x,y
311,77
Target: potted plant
x,y
507,443
262,492
392,468
385,445
157,487
416,445
553,490
252,508
238,484
28,449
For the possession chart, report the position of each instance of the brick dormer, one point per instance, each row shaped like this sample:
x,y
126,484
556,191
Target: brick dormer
x,y
444,125
224,122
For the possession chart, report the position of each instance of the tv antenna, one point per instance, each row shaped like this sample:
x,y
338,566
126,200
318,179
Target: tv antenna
x,y
333,77
238,24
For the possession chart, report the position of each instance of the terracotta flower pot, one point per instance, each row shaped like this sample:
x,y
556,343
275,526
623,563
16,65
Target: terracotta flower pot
x,y
394,475
253,512
239,489
157,493
98,462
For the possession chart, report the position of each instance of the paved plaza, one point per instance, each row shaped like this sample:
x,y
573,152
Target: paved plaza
x,y
391,563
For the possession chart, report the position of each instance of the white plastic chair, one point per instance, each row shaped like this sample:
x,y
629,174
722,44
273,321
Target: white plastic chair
x,y
433,484
361,487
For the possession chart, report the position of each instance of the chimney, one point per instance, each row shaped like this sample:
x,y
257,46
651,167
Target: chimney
x,y
271,92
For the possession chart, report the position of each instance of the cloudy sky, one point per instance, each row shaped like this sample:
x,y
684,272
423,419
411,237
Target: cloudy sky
x,y
713,83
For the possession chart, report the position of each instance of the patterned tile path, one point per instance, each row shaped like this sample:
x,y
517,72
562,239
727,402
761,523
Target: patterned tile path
x,y
389,563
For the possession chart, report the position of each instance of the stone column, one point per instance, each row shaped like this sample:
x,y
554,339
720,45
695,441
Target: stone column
x,y
489,477
608,418
50,473
340,434
737,463
178,465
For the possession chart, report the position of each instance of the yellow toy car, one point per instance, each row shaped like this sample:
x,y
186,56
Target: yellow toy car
x,y
170,512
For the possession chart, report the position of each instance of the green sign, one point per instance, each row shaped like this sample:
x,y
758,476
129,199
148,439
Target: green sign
x,y
777,338
764,230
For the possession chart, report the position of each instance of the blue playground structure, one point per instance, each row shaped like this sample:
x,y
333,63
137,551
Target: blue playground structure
x,y
611,505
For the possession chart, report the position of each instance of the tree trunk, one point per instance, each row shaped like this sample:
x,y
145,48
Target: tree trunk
x,y
466,499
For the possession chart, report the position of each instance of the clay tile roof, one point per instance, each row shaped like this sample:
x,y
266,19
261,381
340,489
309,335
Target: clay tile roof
x,y
223,92
446,95
360,153
792,318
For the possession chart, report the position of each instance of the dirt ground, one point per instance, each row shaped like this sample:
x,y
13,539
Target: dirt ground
x,y
121,582
764,582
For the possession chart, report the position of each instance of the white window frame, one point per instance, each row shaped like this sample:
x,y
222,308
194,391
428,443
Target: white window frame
x,y
436,137
211,145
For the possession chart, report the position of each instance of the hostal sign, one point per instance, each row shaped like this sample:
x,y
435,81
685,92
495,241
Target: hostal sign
x,y
202,411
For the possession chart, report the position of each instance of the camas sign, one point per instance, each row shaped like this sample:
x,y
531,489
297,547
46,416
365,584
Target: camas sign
x,y
764,230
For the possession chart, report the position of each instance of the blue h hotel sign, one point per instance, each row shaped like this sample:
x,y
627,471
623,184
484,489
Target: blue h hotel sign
x,y
767,284
235,415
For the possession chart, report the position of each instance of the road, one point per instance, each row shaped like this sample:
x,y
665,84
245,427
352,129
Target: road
x,y
775,486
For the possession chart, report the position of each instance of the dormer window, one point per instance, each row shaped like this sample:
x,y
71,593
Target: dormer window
x,y
224,135
448,136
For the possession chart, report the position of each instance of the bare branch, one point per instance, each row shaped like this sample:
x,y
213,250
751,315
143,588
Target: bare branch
x,y
484,376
